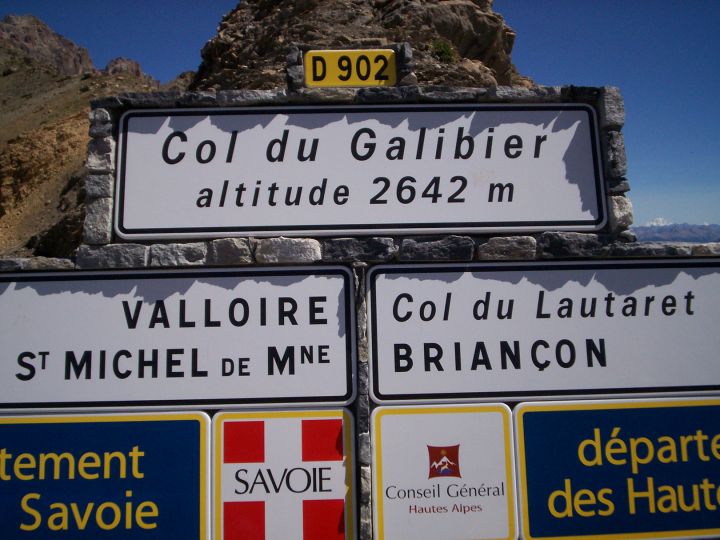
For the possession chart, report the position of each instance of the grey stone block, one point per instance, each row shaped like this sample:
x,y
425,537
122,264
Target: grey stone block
x,y
362,415
376,249
366,524
649,249
364,452
295,76
101,130
47,263
243,98
390,94
287,250
627,236
322,95
12,265
508,248
612,108
112,256
449,248
101,155
620,215
615,157
99,116
618,186
438,94
98,221
149,99
556,245
703,250
98,186
191,254
526,95
197,99
230,252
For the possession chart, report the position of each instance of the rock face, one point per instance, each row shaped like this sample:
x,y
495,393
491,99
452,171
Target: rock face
x,y
455,42
46,84
32,37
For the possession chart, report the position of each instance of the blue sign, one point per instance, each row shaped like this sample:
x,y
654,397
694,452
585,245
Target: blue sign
x,y
104,476
639,469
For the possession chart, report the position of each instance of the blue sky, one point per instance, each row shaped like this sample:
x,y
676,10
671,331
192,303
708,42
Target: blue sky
x,y
662,54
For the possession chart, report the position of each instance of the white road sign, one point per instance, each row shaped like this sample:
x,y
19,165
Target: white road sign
x,y
177,337
358,170
502,331
443,472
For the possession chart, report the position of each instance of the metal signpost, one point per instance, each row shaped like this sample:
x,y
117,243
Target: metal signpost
x,y
443,472
619,469
210,337
115,476
284,475
198,173
504,331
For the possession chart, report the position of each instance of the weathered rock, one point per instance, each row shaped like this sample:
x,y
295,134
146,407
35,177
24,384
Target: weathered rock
x,y
47,263
230,252
615,158
98,221
34,38
458,43
359,249
647,250
190,254
287,250
449,248
506,248
612,108
620,213
558,245
98,186
112,256
12,264
702,250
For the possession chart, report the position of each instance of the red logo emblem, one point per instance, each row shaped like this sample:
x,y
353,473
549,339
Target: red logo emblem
x,y
444,461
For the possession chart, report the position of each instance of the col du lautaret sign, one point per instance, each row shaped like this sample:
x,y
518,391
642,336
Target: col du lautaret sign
x,y
358,170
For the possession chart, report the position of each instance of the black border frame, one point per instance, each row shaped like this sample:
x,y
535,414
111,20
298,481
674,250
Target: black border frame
x,y
397,228
381,399
343,400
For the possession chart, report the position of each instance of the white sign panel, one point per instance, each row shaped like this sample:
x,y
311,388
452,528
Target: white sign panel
x,y
443,472
358,170
177,337
492,331
284,475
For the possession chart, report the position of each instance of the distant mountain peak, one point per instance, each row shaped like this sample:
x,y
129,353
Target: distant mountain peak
x,y
29,36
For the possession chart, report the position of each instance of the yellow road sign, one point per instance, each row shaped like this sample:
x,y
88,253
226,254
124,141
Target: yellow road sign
x,y
360,67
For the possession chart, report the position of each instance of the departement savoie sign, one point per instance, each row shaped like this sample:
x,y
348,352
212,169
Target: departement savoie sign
x,y
94,339
490,331
193,173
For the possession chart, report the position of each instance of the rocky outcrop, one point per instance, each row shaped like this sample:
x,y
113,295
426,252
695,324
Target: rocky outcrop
x,y
455,42
33,38
46,84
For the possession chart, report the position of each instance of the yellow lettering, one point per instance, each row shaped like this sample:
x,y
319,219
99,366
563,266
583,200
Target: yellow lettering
x,y
37,517
141,514
24,461
89,460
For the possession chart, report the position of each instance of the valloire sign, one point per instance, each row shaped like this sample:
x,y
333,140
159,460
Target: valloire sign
x,y
177,337
492,331
358,170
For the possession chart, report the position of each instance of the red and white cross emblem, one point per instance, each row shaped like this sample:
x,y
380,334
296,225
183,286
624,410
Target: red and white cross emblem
x,y
284,475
